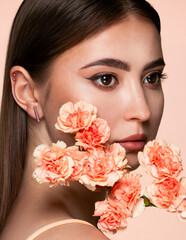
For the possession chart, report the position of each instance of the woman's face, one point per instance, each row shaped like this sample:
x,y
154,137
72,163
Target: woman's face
x,y
119,71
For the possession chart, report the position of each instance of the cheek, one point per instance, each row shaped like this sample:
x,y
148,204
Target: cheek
x,y
55,135
156,105
51,112
110,110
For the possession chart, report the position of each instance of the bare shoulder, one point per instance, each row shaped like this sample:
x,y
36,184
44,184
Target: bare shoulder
x,y
73,231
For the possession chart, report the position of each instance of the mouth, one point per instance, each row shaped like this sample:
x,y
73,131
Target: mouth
x,y
134,142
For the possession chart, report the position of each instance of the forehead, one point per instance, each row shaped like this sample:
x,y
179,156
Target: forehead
x,y
133,40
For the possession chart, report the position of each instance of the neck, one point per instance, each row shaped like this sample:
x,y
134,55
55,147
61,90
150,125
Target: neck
x,y
75,201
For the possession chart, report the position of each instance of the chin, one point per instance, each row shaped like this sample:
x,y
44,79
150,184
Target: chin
x,y
132,160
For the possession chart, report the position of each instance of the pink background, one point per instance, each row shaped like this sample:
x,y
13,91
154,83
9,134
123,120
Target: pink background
x,y
154,223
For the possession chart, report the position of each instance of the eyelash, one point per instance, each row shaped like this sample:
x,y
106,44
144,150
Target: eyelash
x,y
95,78
159,76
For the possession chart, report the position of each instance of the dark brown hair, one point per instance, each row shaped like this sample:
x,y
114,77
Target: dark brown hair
x,y
41,31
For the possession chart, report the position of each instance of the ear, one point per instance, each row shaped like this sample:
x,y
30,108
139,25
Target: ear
x,y
24,91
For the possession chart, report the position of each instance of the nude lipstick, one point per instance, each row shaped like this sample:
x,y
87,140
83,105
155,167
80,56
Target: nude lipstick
x,y
134,142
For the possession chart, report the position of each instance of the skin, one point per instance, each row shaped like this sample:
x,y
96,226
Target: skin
x,y
136,105
131,104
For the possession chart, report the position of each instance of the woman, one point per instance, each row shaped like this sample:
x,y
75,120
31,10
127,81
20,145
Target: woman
x,y
105,52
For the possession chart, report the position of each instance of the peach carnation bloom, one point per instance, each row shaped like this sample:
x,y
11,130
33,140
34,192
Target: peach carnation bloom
x,y
128,190
102,169
98,133
79,158
112,215
54,164
160,159
179,204
117,152
73,117
163,194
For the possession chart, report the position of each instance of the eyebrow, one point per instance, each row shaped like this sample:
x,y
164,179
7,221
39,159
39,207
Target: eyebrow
x,y
116,63
110,62
156,63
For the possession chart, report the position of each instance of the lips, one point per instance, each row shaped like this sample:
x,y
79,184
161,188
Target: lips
x,y
134,142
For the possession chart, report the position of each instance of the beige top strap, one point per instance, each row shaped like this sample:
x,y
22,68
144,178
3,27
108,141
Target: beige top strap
x,y
55,224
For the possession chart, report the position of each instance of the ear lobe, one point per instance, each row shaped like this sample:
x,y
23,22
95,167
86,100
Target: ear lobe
x,y
23,90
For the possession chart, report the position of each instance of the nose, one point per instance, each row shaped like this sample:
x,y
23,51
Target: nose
x,y
137,107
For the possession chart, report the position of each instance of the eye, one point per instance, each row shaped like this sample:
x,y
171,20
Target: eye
x,y
104,80
155,78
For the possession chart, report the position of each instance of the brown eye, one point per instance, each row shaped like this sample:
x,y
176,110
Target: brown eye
x,y
154,78
104,80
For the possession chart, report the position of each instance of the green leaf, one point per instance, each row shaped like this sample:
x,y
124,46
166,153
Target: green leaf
x,y
147,202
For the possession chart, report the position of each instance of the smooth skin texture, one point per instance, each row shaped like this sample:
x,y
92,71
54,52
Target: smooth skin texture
x,y
130,103
129,96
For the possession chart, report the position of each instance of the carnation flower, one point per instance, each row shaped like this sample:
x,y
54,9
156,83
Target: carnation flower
x,y
163,194
54,164
128,190
96,164
79,158
117,152
179,204
98,133
160,159
101,169
112,215
74,117
122,203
